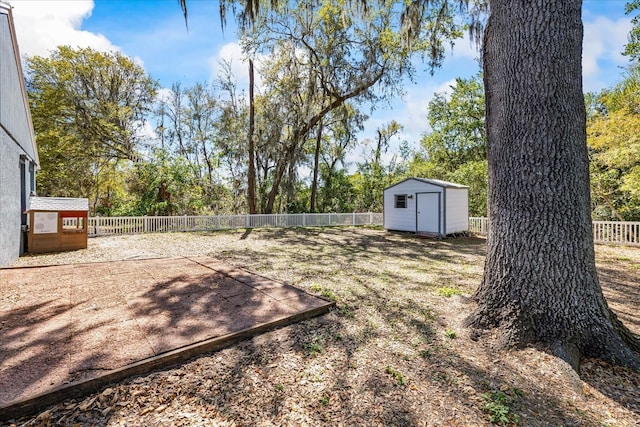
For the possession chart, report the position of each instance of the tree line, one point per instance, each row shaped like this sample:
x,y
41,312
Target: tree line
x,y
107,131
195,160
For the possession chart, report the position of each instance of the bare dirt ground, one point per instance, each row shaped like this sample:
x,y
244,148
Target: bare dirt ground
x,y
392,353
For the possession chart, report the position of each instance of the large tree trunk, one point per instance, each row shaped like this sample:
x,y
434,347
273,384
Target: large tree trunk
x,y
540,283
278,174
251,172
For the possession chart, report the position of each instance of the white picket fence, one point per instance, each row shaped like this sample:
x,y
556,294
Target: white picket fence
x,y
617,232
604,232
102,226
479,225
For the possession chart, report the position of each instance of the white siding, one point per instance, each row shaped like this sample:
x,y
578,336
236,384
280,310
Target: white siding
x,y
18,154
404,219
457,210
14,109
454,205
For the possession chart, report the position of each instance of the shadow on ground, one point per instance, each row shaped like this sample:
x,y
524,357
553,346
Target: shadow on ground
x,y
107,316
391,353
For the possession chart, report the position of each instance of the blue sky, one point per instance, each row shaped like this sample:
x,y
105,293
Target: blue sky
x,y
153,32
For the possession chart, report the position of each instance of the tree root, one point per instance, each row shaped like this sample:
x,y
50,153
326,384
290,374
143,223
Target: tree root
x,y
567,352
611,341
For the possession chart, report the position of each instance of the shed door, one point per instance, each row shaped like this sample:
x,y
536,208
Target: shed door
x,y
428,212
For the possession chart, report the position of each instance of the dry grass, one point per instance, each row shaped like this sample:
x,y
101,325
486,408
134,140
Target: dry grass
x,y
392,353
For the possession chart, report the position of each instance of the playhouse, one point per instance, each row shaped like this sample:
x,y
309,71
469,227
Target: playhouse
x,y
57,224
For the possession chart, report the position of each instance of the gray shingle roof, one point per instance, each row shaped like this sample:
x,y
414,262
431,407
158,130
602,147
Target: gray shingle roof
x,y
57,204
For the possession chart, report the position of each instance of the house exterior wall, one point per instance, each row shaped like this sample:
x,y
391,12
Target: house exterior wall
x,y
18,153
14,108
9,204
15,185
404,219
457,210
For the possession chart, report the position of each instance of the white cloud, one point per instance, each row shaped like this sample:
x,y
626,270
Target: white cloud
x,y
164,94
465,48
232,54
239,64
410,112
43,25
417,105
145,131
604,40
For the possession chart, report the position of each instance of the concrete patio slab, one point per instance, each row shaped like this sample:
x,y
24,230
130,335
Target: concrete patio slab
x,y
67,330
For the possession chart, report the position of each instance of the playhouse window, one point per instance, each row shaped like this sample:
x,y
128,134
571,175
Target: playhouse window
x,y
400,200
73,223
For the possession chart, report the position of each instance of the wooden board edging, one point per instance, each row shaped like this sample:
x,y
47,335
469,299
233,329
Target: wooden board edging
x,y
33,404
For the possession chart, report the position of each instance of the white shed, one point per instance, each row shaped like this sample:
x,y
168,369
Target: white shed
x,y
429,206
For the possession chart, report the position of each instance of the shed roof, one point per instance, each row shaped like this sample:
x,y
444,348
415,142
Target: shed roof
x,y
57,204
437,182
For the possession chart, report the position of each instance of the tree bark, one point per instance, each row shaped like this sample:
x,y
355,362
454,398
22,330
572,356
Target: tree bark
x,y
251,173
278,174
540,284
316,167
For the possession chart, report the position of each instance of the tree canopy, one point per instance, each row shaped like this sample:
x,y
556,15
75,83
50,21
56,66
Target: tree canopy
x,y
632,49
318,58
612,134
89,109
455,147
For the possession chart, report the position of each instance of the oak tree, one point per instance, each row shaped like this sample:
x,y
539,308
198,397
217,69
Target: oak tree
x,y
320,56
540,284
89,110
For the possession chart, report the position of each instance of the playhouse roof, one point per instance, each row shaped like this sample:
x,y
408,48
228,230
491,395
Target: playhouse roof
x,y
437,182
57,204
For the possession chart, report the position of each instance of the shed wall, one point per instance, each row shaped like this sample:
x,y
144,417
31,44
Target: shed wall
x,y
404,219
457,210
